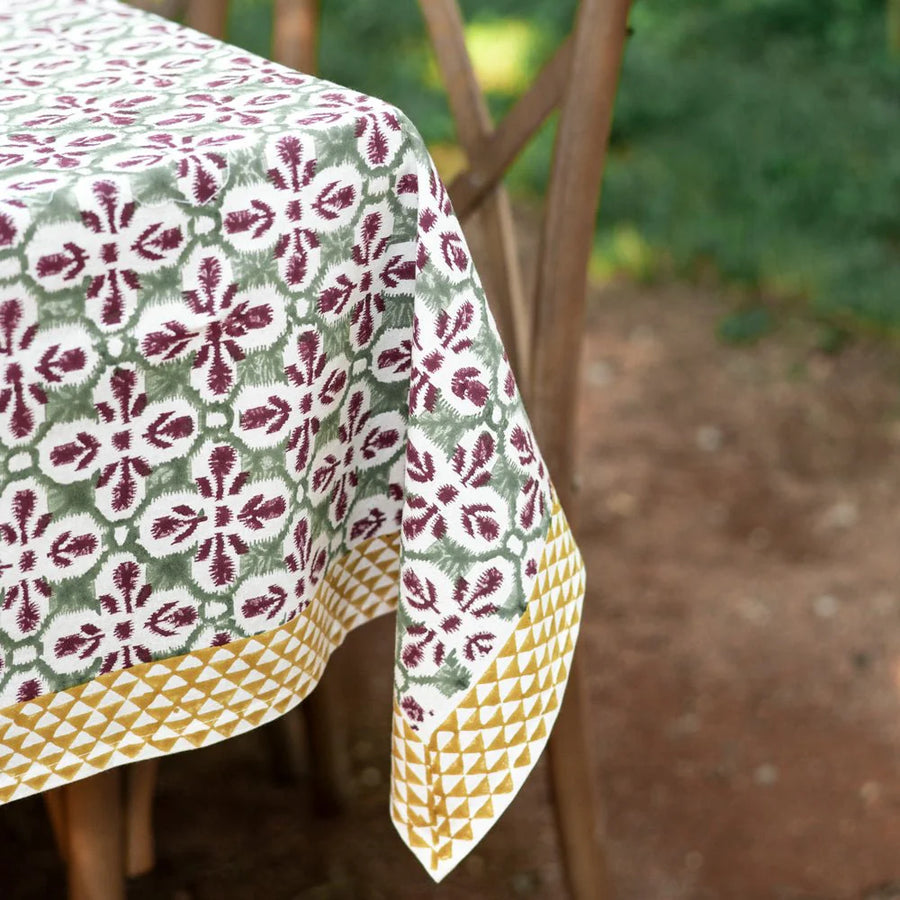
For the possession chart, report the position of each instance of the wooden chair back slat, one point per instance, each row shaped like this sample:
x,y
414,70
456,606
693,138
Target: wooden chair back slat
x,y
552,396
573,196
470,187
208,16
294,39
467,104
495,253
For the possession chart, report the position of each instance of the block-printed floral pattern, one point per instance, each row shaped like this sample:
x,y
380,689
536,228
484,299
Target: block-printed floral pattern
x,y
119,447
240,335
39,550
31,362
214,324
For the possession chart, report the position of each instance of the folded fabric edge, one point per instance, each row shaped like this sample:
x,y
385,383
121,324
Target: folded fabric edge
x,y
447,791
198,698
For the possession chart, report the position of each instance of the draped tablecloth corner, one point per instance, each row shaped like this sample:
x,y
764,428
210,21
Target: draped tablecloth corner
x,y
252,396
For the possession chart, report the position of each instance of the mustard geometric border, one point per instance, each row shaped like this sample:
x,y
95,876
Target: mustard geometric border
x,y
447,792
196,699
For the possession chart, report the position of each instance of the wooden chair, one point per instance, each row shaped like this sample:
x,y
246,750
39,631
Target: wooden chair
x,y
544,336
103,824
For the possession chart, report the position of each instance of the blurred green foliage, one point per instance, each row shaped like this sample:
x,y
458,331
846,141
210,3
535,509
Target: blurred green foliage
x,y
756,138
745,326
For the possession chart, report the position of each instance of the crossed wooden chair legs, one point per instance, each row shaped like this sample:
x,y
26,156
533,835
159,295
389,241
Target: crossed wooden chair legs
x,y
103,825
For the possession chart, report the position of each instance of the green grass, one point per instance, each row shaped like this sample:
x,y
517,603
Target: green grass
x,y
756,138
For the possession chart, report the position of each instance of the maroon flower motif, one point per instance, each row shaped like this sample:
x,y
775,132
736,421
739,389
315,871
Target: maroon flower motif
x,y
379,267
22,686
429,511
200,165
268,603
251,70
438,631
50,151
381,514
71,109
215,323
376,125
223,109
315,387
533,500
363,441
24,375
226,515
10,210
134,625
116,243
288,214
442,364
440,236
307,559
413,710
127,442
35,552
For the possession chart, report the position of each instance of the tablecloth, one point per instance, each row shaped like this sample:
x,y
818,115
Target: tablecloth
x,y
252,396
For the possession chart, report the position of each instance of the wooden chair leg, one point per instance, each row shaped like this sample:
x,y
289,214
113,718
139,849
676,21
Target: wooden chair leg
x,y
497,258
140,787
327,734
571,209
55,802
94,845
284,742
575,792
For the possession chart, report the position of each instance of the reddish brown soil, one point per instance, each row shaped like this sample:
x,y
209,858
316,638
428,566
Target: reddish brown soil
x,y
741,522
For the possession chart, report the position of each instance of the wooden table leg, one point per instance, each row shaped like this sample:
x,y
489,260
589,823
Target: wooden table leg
x,y
93,815
140,786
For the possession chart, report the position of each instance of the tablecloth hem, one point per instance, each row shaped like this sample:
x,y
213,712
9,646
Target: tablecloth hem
x,y
448,790
198,698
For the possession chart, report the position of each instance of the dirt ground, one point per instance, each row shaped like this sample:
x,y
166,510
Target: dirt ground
x,y
741,523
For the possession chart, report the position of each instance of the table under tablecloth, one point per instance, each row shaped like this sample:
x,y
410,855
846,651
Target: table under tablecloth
x,y
251,396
